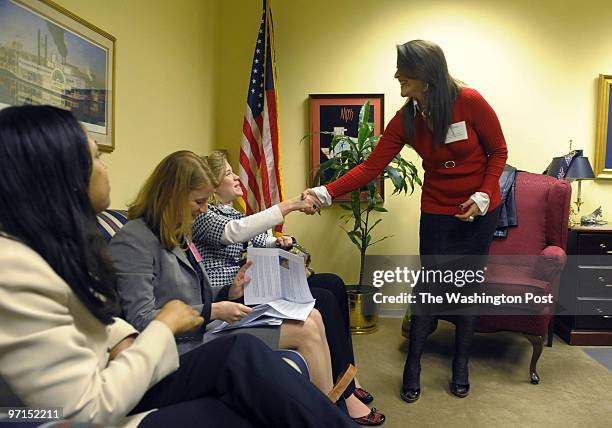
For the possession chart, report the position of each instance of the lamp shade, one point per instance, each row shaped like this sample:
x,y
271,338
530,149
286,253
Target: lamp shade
x,y
579,167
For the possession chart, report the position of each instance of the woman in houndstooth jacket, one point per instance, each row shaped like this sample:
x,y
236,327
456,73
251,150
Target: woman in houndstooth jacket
x,y
223,232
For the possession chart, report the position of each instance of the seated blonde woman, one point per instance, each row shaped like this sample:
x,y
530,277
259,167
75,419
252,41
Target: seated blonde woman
x,y
156,262
60,342
220,235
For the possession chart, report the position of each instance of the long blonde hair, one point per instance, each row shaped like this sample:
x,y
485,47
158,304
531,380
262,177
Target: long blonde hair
x,y
163,200
216,162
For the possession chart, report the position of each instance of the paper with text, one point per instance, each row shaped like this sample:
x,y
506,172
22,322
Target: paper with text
x,y
271,313
276,274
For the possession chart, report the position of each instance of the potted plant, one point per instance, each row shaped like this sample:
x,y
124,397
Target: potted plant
x,y
345,153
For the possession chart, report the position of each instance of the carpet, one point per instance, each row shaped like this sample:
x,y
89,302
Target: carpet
x,y
575,390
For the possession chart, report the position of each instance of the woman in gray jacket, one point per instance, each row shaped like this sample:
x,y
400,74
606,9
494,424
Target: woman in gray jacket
x,y
156,261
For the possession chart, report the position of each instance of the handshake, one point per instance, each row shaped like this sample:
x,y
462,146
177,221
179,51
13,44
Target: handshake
x,y
307,202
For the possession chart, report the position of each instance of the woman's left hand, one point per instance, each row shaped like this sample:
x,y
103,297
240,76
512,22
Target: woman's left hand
x,y
236,290
229,311
469,211
284,242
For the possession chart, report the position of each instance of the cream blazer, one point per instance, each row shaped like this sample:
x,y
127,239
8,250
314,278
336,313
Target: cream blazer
x,y
54,352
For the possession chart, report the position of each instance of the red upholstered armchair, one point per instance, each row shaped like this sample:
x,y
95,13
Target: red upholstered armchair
x,y
530,260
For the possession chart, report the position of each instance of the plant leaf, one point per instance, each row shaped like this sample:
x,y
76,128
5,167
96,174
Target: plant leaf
x,y
354,238
396,178
381,239
364,113
380,209
374,225
328,164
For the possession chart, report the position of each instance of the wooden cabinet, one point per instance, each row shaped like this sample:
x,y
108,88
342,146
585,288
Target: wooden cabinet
x,y
586,288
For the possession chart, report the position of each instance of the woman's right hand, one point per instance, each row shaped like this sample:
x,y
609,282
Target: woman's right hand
x,y
179,317
229,311
307,203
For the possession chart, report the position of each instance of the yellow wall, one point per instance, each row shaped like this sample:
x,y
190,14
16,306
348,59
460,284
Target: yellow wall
x,y
536,62
164,83
182,79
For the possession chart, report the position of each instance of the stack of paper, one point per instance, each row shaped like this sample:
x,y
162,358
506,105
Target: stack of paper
x,y
271,313
278,287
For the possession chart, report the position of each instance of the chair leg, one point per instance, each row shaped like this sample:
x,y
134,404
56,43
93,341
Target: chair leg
x,y
551,332
537,342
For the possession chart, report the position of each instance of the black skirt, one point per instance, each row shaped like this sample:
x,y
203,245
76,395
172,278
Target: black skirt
x,y
453,258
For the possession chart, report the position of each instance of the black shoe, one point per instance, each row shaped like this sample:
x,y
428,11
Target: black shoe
x,y
410,395
364,396
374,418
460,383
460,391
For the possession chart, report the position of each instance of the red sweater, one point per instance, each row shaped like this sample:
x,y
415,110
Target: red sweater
x,y
478,160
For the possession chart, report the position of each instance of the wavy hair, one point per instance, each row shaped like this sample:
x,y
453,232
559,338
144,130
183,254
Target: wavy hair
x,y
45,169
216,162
163,200
423,60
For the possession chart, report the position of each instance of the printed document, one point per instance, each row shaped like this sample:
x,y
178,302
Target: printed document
x,y
278,287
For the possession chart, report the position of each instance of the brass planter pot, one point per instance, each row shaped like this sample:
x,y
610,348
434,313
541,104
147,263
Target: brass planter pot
x,y
363,312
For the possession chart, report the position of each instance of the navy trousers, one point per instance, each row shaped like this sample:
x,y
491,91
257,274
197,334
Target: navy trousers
x,y
237,381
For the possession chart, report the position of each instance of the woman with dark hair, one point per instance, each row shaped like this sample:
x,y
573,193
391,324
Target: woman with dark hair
x,y
458,136
222,232
60,344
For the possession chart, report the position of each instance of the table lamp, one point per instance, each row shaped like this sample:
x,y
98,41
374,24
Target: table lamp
x,y
572,167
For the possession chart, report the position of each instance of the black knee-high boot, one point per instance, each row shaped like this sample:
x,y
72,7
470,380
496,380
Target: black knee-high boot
x,y
421,326
464,332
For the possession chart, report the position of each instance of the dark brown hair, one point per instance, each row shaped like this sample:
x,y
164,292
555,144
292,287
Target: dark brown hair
x,y
425,61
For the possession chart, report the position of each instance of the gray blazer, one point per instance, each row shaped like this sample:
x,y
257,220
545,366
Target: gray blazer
x,y
148,276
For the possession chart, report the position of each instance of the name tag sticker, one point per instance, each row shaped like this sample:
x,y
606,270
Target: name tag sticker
x,y
456,132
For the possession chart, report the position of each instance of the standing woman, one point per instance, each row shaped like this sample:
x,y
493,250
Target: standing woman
x,y
61,346
458,136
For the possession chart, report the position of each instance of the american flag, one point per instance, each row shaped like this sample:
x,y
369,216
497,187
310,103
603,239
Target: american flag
x,y
259,170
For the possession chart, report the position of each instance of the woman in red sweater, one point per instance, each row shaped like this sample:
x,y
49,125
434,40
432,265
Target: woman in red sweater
x,y
458,136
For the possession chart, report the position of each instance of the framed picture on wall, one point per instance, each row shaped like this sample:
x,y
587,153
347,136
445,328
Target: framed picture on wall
x,y
339,113
48,55
603,148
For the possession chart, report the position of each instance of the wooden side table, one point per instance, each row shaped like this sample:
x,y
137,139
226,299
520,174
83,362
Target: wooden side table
x,y
586,287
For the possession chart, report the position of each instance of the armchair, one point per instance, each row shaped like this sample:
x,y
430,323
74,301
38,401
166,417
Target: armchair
x,y
530,259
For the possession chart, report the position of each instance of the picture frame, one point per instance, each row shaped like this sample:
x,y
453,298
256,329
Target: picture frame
x,y
48,55
603,142
329,111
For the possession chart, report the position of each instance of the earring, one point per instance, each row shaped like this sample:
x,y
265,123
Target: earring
x,y
426,86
